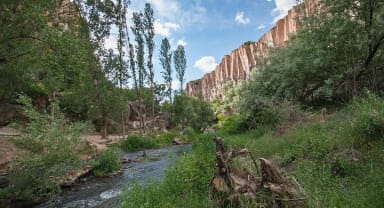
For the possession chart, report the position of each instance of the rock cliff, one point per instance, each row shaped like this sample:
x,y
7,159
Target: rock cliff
x,y
239,63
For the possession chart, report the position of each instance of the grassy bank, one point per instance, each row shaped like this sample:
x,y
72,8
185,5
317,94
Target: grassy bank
x,y
339,162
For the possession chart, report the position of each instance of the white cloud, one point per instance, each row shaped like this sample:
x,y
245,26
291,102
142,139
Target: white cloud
x,y
166,8
241,19
261,27
175,85
206,63
166,28
282,7
182,42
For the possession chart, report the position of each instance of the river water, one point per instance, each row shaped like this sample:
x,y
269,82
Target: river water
x,y
105,192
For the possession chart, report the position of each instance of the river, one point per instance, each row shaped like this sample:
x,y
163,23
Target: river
x,y
105,192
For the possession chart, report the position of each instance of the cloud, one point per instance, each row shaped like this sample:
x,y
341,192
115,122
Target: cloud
x,y
182,42
166,8
282,7
166,28
175,85
206,63
241,19
171,10
261,27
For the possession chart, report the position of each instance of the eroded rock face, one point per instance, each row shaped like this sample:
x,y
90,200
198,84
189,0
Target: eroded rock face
x,y
239,64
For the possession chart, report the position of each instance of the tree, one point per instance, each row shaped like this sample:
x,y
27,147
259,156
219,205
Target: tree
x,y
149,33
138,31
99,16
165,60
337,55
122,68
180,64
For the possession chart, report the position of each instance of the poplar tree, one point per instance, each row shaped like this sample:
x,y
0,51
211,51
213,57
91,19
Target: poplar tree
x,y
180,64
122,74
165,60
149,33
139,68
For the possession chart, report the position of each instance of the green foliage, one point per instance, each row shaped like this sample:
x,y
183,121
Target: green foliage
x,y
325,158
368,124
166,138
37,59
166,60
256,112
136,142
106,162
327,60
185,185
49,142
192,112
180,63
231,125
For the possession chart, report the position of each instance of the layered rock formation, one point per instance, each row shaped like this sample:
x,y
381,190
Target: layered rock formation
x,y
239,64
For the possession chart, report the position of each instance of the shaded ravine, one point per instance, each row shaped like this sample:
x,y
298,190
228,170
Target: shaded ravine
x,y
105,192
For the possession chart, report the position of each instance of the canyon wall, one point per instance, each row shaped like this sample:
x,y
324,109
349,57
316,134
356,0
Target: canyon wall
x,y
239,64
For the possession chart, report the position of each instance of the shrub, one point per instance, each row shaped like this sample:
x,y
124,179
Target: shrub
x,y
192,112
231,125
368,124
106,162
135,142
50,141
257,113
168,136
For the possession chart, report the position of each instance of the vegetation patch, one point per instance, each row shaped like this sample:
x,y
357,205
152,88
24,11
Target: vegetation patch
x,y
106,162
136,142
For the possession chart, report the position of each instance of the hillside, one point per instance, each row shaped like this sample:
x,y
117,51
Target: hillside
x,y
238,65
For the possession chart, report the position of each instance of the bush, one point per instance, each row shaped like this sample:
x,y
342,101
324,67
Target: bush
x,y
231,125
257,113
368,124
135,142
192,112
50,142
168,136
106,162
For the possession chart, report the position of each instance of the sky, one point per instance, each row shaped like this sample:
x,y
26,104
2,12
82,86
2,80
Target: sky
x,y
208,29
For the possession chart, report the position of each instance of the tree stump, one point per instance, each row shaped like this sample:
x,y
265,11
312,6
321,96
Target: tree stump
x,y
236,184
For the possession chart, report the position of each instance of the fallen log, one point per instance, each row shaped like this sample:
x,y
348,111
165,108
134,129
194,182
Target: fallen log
x,y
236,184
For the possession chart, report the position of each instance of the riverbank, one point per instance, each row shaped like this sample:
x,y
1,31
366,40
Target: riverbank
x,y
337,160
91,155
105,191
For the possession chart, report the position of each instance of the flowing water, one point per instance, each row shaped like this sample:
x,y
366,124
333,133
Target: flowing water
x,y
105,192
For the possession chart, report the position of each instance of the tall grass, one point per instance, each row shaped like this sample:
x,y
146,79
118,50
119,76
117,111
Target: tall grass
x,y
185,185
339,163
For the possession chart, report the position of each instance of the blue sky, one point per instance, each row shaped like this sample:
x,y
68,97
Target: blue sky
x,y
209,29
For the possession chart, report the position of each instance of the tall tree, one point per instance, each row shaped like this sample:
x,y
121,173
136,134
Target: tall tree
x,y
180,62
165,60
138,31
149,33
99,16
122,68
